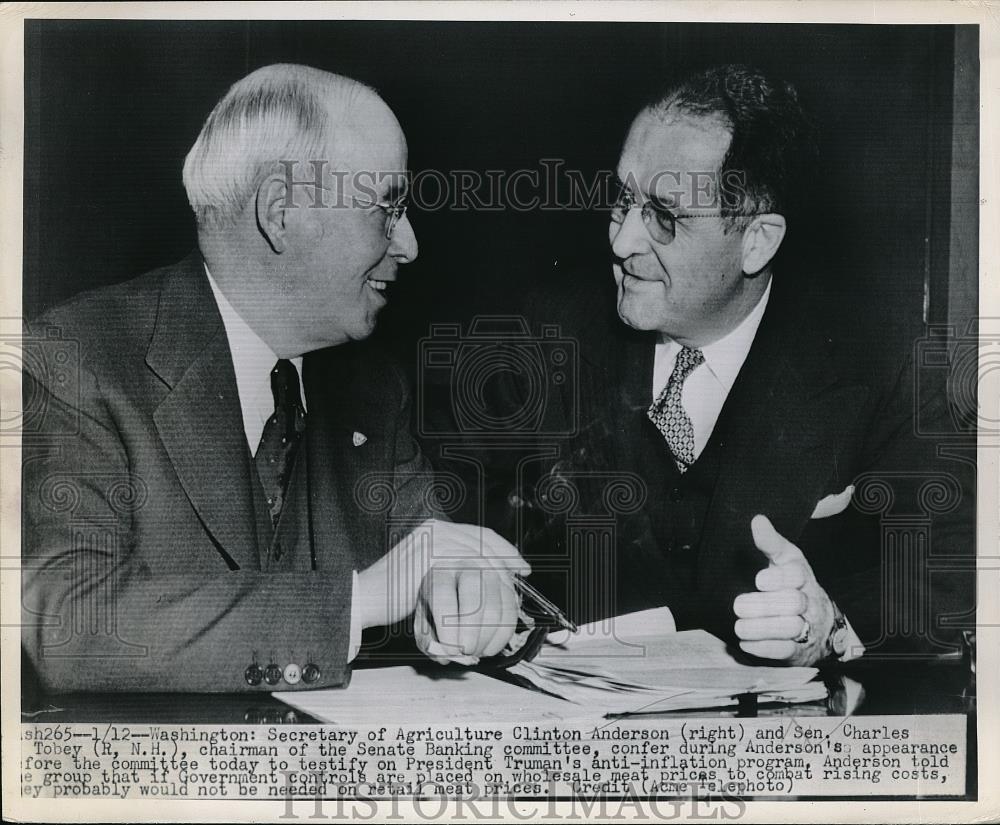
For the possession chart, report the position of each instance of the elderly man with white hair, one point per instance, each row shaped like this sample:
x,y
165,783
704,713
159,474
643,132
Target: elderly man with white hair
x,y
238,496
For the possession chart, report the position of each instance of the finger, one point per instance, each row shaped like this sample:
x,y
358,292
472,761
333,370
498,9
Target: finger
x,y
443,602
470,610
492,608
507,623
771,543
487,617
423,635
773,627
436,653
782,577
778,650
425,631
774,603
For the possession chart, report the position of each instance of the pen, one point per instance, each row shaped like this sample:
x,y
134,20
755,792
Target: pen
x,y
547,607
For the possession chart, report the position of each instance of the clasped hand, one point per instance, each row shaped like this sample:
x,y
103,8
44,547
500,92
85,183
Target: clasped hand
x,y
457,580
789,617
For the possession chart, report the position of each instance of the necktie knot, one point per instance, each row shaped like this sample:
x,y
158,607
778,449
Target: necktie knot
x,y
285,385
687,361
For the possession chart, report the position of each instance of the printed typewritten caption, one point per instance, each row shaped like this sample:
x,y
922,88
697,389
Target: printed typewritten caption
x,y
871,756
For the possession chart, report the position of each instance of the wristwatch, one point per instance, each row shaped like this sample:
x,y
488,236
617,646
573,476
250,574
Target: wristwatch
x,y
837,641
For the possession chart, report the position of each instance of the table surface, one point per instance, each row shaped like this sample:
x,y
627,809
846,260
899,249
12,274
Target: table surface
x,y
886,688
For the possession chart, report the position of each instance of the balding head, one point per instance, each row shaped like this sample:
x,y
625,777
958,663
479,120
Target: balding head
x,y
297,179
279,112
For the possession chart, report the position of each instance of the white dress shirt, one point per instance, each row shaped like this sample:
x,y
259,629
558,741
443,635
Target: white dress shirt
x,y
253,361
707,387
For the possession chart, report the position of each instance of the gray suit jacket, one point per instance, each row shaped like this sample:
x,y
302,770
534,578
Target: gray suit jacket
x,y
144,567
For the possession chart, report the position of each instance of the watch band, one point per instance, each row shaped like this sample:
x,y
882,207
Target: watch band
x,y
837,641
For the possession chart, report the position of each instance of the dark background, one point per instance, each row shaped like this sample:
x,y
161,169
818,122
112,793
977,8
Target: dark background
x,y
112,107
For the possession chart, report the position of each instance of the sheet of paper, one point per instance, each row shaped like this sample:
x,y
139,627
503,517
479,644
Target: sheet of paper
x,y
403,694
638,663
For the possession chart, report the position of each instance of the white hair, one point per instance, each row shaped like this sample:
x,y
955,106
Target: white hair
x,y
279,112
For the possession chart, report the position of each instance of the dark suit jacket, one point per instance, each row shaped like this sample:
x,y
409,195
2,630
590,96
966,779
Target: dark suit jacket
x,y
821,402
144,566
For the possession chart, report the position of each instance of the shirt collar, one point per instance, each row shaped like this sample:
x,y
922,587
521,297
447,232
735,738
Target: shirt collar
x,y
725,357
252,358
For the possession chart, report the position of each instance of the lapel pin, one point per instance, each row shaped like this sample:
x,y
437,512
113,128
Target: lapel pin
x,y
359,439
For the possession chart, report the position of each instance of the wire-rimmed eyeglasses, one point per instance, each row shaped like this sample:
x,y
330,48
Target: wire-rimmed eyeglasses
x,y
660,221
394,210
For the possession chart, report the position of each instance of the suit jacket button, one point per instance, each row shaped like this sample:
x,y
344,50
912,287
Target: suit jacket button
x,y
253,675
272,674
292,674
676,494
310,673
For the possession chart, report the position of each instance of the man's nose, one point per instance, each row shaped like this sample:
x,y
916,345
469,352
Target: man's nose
x,y
403,246
631,237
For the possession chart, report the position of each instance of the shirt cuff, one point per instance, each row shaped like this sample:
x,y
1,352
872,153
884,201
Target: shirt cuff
x,y
355,643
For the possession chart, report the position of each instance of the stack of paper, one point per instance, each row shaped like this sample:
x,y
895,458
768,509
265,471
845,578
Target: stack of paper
x,y
631,664
637,664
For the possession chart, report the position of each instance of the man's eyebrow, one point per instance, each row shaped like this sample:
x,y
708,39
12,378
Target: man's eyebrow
x,y
668,203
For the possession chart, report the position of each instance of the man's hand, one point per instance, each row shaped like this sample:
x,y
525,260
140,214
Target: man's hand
x,y
458,578
790,617
464,614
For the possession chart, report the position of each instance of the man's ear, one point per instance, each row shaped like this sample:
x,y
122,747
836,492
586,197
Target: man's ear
x,y
761,241
271,205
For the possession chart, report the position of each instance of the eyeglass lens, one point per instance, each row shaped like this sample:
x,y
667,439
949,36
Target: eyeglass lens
x,y
659,223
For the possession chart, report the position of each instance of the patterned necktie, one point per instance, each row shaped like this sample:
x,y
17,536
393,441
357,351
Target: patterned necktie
x,y
282,433
668,414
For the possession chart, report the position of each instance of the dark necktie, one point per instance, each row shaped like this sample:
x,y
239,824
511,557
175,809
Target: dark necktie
x,y
276,452
668,413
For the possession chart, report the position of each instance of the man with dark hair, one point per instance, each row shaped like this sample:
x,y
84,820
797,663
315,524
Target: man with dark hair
x,y
747,415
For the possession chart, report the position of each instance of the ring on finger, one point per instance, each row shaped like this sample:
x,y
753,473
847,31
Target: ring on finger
x,y
803,637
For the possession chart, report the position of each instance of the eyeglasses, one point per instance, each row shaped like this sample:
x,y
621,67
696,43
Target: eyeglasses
x,y
660,222
394,211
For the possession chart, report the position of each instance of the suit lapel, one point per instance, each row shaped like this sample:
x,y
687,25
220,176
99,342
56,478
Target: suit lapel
x,y
616,380
200,420
778,437
634,369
